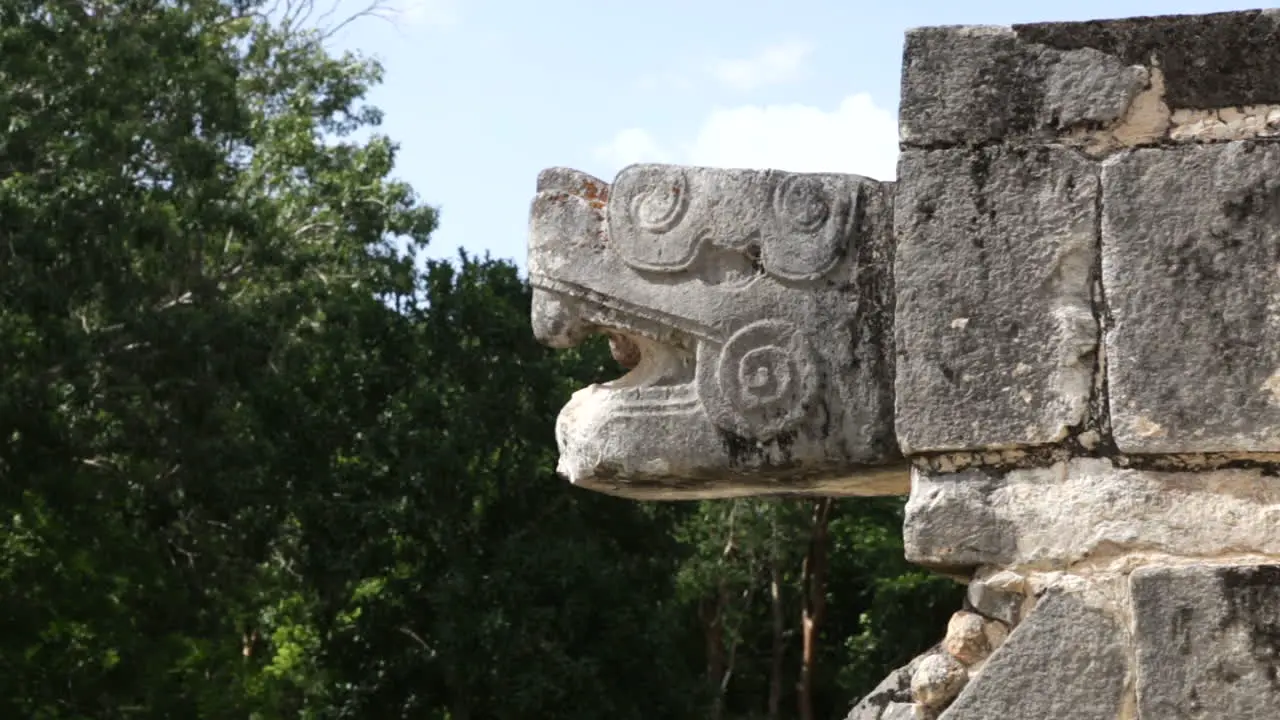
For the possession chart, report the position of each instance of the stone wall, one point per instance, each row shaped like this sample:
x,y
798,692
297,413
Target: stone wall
x,y
1059,331
1088,327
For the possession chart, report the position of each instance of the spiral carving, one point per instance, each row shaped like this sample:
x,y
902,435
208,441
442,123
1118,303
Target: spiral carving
x,y
800,201
811,215
767,375
663,203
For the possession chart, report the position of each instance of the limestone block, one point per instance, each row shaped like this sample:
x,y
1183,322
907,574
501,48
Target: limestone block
x,y
1117,81
995,330
1054,517
1208,642
937,680
966,638
1066,661
756,308
993,599
1191,270
979,84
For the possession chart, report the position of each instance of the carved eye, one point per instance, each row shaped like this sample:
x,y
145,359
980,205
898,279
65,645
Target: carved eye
x,y
764,377
807,234
767,376
801,203
663,202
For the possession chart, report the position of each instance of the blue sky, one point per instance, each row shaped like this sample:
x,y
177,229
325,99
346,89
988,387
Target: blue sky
x,y
482,94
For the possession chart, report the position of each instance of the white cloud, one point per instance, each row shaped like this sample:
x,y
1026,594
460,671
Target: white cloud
x,y
775,64
427,13
633,145
856,137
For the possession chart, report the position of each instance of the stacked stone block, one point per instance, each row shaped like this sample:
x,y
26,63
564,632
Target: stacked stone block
x,y
1088,357
1059,330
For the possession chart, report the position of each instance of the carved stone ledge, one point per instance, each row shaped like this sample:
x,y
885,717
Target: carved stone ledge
x,y
756,307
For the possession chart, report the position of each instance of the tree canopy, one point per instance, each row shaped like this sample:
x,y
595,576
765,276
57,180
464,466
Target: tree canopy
x,y
259,459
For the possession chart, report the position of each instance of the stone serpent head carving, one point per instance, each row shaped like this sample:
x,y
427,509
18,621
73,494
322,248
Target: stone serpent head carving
x,y
754,309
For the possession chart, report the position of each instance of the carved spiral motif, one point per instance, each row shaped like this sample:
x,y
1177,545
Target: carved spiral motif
x,y
768,376
662,204
801,202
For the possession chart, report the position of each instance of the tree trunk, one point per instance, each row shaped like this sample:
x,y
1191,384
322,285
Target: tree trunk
x,y
779,642
813,579
718,659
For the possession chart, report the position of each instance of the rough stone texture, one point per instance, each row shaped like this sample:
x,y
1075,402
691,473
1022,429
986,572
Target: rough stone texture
x,y
812,334
901,711
938,679
978,84
997,633
1208,642
756,307
1209,61
1067,660
966,638
994,323
890,696
1234,123
995,600
1041,81
1191,271
1084,509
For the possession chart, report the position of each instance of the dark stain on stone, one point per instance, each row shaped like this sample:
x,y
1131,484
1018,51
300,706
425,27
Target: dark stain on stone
x,y
1260,203
1253,601
1208,61
745,452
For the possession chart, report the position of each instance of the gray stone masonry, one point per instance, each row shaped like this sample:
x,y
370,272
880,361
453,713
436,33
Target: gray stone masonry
x,y
1057,332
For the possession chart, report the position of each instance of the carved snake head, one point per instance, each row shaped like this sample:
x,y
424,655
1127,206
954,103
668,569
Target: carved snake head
x,y
753,309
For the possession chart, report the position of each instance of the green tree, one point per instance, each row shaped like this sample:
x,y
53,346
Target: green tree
x,y
468,581
257,460
176,236
803,605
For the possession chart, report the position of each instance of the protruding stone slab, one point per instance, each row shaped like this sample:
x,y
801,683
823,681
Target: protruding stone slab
x,y
1108,83
1208,642
1054,517
1191,267
995,330
1066,660
756,308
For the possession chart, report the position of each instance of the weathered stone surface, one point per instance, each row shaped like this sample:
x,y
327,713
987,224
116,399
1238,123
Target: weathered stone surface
x,y
995,599
1209,61
892,697
757,309
901,711
995,330
1057,80
997,633
1208,642
1067,660
966,638
976,84
937,680
1191,269
1087,509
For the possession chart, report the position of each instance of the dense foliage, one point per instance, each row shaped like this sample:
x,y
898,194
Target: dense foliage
x,y
259,461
